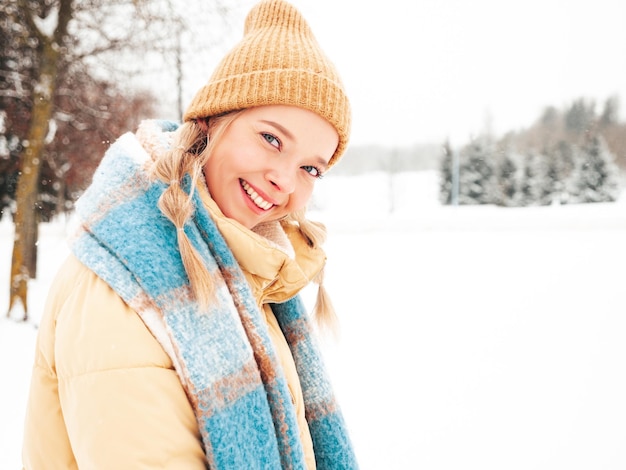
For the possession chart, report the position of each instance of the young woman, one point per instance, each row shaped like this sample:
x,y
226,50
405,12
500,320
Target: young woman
x,y
173,336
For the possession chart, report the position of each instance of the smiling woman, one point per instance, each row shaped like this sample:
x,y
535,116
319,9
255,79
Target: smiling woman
x,y
264,166
174,336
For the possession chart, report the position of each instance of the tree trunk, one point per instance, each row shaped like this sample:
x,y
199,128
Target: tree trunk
x,y
23,263
25,242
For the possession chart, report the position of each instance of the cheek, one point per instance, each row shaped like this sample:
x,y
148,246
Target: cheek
x,y
219,177
301,197
210,171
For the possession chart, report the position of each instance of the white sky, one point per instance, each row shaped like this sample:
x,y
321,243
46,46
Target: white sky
x,y
422,71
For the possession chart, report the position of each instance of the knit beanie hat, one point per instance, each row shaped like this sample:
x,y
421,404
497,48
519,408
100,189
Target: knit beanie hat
x,y
278,61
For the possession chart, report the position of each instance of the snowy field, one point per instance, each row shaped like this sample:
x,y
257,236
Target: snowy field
x,y
471,337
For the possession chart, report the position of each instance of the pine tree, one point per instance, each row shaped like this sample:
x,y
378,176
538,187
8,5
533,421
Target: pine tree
x,y
477,179
580,116
610,112
597,175
507,180
562,166
549,171
445,175
536,185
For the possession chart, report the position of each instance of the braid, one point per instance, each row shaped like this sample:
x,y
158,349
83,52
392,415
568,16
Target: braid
x,y
315,233
190,150
177,205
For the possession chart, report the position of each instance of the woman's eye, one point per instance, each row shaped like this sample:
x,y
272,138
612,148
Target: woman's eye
x,y
313,171
271,139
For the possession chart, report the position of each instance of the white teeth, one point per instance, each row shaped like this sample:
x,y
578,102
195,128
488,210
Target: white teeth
x,y
258,200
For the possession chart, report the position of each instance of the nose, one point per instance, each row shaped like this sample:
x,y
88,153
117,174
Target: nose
x,y
282,178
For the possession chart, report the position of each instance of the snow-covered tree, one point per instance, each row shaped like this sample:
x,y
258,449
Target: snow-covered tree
x,y
610,112
562,163
580,116
536,185
596,176
53,38
46,25
476,173
445,175
507,179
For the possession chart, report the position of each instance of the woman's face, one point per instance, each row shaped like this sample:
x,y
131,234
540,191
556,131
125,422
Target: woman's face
x,y
266,162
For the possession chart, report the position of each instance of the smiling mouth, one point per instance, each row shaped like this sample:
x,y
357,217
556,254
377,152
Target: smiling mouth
x,y
254,196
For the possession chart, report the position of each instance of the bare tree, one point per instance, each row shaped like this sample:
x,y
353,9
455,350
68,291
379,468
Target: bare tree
x,y
51,42
120,40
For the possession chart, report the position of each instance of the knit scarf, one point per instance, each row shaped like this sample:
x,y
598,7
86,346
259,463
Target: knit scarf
x,y
223,354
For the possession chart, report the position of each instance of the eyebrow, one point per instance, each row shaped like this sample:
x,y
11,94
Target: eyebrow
x,y
318,159
280,127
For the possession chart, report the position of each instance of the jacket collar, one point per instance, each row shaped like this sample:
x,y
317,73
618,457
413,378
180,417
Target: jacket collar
x,y
275,257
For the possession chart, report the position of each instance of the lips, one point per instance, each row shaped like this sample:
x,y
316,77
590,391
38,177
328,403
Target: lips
x,y
255,197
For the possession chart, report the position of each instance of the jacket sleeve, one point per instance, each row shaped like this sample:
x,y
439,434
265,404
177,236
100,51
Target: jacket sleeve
x,y
122,402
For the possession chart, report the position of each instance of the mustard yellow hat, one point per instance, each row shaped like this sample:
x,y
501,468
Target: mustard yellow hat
x,y
278,61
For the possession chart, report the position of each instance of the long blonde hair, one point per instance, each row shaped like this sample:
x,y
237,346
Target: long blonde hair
x,y
188,155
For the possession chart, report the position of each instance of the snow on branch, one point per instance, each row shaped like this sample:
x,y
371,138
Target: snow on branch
x,y
46,26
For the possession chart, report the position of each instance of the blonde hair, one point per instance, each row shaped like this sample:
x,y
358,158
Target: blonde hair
x,y
315,233
188,155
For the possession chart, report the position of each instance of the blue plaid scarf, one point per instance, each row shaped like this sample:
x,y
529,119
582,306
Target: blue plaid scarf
x,y
223,355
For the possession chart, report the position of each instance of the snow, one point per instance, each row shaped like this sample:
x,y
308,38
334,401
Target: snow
x,y
47,25
471,337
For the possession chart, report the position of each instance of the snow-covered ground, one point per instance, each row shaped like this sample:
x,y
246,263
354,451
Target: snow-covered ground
x,y
472,337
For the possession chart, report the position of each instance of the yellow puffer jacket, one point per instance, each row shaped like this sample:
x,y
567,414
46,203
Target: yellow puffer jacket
x,y
105,395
